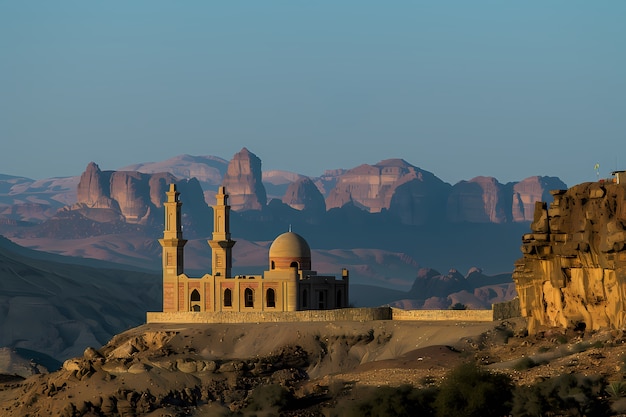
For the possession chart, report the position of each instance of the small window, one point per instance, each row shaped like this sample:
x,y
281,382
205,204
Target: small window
x,y
321,304
305,298
228,298
248,295
338,301
273,265
294,265
270,298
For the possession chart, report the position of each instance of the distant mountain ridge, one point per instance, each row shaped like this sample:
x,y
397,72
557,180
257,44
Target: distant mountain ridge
x,y
391,207
410,193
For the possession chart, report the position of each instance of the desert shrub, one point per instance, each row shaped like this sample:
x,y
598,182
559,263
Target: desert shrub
x,y
472,391
527,363
524,364
566,395
268,398
458,306
616,389
404,401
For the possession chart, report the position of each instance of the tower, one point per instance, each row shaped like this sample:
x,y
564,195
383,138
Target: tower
x,y
172,244
221,243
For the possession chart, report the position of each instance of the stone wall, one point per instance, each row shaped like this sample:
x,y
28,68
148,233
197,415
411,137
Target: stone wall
x,y
442,315
503,311
344,314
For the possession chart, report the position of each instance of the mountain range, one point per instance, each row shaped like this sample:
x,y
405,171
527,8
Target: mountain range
x,y
392,224
384,222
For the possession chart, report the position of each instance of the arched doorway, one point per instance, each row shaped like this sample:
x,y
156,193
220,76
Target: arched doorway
x,y
248,296
194,301
270,298
228,298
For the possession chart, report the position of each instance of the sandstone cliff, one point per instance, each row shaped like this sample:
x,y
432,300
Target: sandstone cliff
x,y
393,184
133,194
485,200
527,192
573,270
244,182
479,200
304,195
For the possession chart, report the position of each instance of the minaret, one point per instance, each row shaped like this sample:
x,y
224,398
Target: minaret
x,y
172,244
221,243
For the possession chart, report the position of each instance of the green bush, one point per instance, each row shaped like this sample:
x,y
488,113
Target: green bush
x,y
471,391
404,401
566,395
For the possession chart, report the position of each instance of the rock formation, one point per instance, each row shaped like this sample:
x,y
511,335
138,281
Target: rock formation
x,y
133,194
411,193
485,200
208,170
479,200
573,269
527,192
244,182
304,195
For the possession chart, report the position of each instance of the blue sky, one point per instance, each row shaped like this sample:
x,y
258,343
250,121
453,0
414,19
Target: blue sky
x,y
459,88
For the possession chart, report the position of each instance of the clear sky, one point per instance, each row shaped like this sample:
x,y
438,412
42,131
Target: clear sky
x,y
459,88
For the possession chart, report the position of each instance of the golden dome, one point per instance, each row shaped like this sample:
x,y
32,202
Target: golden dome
x,y
290,245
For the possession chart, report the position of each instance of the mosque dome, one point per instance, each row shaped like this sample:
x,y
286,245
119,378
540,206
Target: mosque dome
x,y
289,250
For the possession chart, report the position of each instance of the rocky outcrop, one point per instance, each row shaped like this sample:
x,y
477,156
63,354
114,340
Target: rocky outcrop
x,y
485,200
479,200
244,182
208,170
304,195
411,193
527,192
573,269
276,182
132,194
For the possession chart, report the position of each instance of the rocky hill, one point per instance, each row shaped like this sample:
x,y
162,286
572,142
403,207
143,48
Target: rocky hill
x,y
330,369
54,307
573,269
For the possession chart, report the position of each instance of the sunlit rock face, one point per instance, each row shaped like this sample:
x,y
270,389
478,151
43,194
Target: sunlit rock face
x,y
244,182
530,190
133,194
410,193
573,269
304,195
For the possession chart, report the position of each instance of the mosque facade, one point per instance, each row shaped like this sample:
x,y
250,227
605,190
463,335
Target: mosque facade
x,y
289,284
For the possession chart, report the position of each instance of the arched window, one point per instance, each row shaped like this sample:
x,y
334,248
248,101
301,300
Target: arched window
x,y
321,305
273,265
338,301
294,264
228,298
194,301
305,298
270,297
248,296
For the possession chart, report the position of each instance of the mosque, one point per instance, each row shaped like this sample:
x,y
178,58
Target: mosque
x,y
288,285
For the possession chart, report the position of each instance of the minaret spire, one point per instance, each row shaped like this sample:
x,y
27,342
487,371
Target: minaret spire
x,y
173,244
221,243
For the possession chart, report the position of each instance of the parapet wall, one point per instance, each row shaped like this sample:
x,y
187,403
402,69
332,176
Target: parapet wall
x,y
499,312
442,315
343,314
